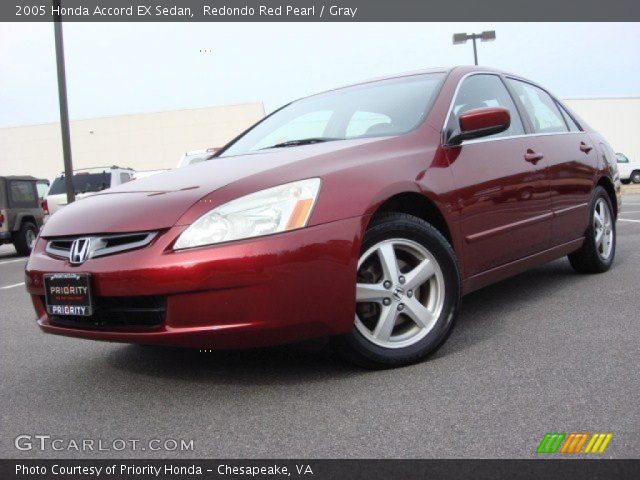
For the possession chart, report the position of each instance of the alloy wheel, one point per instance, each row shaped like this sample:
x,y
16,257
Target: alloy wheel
x,y
30,237
603,229
399,293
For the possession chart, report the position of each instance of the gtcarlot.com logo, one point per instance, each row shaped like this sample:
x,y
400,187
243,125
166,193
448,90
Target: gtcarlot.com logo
x,y
574,442
47,442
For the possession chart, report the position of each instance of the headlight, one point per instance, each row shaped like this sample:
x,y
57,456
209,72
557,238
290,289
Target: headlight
x,y
278,209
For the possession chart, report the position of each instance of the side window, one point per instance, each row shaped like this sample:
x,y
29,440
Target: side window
x,y
124,177
478,91
22,194
573,126
368,123
621,158
43,188
542,110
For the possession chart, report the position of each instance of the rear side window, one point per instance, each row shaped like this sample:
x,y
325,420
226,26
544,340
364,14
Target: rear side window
x,y
43,188
83,183
573,126
542,110
22,194
479,91
621,158
125,177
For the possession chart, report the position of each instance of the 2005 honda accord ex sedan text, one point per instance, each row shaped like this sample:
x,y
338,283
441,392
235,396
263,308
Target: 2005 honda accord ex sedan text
x,y
362,214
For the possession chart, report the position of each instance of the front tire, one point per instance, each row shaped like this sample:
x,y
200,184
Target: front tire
x,y
635,177
25,238
599,248
407,293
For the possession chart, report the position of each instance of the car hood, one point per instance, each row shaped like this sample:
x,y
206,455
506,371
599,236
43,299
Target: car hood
x,y
159,201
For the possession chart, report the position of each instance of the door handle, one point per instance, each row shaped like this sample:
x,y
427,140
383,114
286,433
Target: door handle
x,y
532,156
585,148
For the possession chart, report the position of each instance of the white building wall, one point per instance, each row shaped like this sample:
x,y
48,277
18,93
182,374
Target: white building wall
x,y
618,119
143,141
157,140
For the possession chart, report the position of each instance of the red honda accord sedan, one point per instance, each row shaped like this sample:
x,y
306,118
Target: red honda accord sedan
x,y
362,214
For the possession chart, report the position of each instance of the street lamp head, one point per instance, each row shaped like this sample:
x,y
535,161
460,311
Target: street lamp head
x,y
459,38
488,36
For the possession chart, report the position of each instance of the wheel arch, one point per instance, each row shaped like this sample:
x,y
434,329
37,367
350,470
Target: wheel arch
x,y
418,205
20,219
606,183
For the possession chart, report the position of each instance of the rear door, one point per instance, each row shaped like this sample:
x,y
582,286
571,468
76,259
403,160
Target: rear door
x,y
570,156
503,193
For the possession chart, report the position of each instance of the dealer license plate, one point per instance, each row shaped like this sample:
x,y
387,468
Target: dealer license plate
x,y
68,294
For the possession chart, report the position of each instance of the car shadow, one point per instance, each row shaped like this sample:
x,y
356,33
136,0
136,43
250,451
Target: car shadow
x,y
483,312
482,316
288,364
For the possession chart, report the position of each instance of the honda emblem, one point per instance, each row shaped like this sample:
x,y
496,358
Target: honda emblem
x,y
80,251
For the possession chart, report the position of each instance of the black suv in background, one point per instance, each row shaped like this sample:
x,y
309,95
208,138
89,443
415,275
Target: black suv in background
x,y
21,214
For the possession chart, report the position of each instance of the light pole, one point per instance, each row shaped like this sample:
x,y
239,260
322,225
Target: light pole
x,y
64,109
488,36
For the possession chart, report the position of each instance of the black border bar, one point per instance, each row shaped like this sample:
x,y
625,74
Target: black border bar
x,y
548,469
323,10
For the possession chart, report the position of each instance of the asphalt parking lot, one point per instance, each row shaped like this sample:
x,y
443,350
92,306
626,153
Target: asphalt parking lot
x,y
546,351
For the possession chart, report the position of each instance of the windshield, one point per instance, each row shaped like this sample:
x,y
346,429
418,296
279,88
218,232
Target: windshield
x,y
376,109
83,183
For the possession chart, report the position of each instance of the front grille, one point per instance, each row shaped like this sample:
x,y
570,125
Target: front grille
x,y
101,245
118,313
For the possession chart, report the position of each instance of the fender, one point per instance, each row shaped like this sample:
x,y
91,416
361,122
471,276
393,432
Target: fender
x,y
442,208
19,218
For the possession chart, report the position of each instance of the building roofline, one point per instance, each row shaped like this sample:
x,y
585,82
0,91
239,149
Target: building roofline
x,y
261,103
604,97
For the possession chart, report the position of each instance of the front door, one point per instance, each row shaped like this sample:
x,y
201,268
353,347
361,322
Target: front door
x,y
502,188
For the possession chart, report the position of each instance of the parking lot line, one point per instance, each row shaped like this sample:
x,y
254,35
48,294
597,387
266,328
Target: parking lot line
x,y
11,286
628,220
14,260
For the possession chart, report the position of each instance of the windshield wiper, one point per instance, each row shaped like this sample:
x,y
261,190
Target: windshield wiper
x,y
302,141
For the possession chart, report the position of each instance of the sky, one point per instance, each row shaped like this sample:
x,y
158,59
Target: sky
x,y
124,68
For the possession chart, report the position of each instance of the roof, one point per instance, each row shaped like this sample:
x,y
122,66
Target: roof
x,y
605,97
98,169
446,70
24,177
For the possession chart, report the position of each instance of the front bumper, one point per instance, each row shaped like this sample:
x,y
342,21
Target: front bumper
x,y
270,290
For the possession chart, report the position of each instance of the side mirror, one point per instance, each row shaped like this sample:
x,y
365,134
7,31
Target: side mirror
x,y
481,122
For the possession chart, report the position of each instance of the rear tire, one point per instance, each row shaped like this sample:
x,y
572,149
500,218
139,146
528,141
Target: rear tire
x,y
25,238
407,294
599,248
635,177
